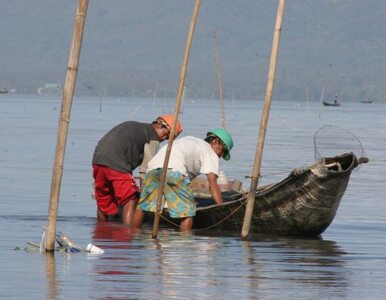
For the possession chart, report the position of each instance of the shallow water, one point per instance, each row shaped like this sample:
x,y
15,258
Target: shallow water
x,y
347,262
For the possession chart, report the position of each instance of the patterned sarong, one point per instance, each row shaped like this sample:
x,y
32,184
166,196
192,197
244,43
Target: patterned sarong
x,y
179,196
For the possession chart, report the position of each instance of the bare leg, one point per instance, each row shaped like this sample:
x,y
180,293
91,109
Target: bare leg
x,y
186,224
137,220
128,212
101,217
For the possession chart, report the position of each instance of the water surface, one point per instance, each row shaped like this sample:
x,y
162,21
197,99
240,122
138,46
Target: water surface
x,y
347,262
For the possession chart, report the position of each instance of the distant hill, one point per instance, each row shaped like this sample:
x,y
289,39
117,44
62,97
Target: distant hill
x,y
132,46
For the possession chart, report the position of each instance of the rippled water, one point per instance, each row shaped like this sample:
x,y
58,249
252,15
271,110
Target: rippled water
x,y
347,262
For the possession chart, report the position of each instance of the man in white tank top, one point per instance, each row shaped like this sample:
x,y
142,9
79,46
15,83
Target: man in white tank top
x,y
189,157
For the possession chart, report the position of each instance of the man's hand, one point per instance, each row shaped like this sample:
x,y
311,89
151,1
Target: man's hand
x,y
214,188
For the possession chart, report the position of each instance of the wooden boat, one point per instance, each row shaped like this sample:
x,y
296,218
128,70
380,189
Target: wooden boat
x,y
3,90
334,103
303,204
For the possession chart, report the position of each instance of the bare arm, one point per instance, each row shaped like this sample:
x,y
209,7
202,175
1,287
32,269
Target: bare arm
x,y
214,188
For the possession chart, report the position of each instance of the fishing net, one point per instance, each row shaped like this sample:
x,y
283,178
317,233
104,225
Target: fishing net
x,y
331,140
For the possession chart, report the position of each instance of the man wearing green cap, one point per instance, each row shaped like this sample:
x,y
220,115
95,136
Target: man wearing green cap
x,y
189,157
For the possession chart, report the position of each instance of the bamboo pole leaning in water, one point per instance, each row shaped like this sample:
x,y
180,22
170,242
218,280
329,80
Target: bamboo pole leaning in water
x,y
175,116
264,120
219,81
64,121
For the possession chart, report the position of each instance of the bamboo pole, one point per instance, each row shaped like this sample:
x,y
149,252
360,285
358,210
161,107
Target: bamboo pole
x,y
307,98
175,116
219,80
264,120
321,102
64,121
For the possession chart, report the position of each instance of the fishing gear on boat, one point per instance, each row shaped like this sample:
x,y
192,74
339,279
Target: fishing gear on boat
x,y
332,139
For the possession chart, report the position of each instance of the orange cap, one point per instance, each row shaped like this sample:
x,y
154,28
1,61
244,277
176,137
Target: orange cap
x,y
169,121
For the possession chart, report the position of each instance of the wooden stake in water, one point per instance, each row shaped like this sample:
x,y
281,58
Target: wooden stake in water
x,y
64,121
264,120
219,81
321,102
175,116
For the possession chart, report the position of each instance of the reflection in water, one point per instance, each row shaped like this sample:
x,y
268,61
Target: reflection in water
x,y
179,265
135,265
251,259
112,232
122,270
113,236
185,261
309,263
52,292
312,265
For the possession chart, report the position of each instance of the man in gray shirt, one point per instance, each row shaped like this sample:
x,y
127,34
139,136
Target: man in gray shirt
x,y
119,152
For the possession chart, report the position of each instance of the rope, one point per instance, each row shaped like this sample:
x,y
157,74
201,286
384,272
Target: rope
x,y
223,220
167,220
211,226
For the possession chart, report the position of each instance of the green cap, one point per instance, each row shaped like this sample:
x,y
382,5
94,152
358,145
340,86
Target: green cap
x,y
226,139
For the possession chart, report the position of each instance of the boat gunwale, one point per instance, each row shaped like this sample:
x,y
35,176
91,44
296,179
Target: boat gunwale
x,y
321,164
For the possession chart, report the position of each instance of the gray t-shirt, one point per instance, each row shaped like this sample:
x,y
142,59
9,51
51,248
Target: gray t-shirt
x,y
122,148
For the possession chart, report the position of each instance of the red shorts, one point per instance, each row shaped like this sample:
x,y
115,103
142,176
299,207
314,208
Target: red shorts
x,y
113,188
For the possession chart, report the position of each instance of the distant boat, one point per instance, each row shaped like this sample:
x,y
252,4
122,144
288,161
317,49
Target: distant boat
x,y
3,91
368,100
335,102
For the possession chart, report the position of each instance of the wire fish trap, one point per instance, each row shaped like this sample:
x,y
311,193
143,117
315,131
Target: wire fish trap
x,y
331,140
66,244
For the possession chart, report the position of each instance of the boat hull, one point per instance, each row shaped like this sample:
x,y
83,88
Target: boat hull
x,y
303,204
